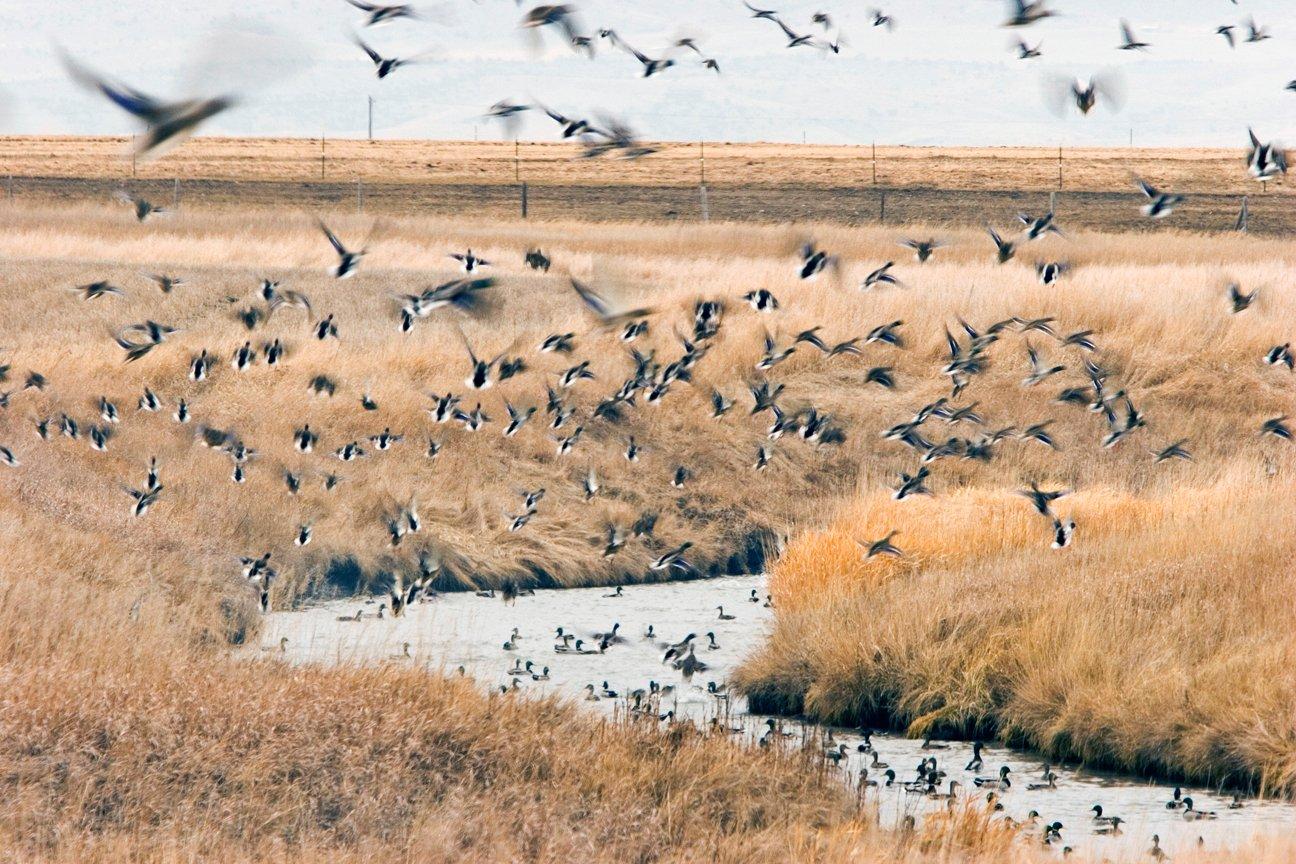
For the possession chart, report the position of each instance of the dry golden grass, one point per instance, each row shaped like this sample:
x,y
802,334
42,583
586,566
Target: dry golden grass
x,y
1192,368
549,163
129,734
1159,643
124,740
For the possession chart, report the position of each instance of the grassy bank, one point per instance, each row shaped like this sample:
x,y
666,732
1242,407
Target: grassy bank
x,y
124,741
128,734
1160,643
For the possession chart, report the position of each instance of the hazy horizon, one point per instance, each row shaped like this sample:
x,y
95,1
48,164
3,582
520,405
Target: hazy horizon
x,y
946,76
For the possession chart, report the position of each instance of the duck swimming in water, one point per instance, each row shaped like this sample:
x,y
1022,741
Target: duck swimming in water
x,y
1050,782
1191,815
1001,782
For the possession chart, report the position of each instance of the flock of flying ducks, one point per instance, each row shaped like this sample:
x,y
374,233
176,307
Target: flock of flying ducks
x,y
166,123
1070,369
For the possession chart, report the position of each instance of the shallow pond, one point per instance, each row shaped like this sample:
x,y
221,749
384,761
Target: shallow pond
x,y
462,629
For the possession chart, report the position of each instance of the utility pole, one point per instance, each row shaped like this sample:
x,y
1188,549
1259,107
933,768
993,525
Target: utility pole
x,y
1131,137
517,163
874,163
702,162
370,118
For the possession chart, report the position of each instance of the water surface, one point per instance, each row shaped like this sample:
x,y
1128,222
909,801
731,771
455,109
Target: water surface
x,y
465,630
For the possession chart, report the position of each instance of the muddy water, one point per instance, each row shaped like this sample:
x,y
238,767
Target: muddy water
x,y
465,630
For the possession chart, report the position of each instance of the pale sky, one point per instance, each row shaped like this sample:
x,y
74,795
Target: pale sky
x,y
946,75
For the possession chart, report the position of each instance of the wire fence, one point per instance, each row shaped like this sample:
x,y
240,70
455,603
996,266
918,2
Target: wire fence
x,y
1117,211
698,181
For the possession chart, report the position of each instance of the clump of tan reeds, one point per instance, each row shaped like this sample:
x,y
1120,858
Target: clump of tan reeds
x,y
1158,642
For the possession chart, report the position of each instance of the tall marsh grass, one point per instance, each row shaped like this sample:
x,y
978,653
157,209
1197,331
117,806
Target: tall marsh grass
x,y
1159,643
128,732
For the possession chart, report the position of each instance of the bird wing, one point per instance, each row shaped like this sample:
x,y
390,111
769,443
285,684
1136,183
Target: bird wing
x,y
464,338
332,238
373,55
134,101
1032,357
786,29
952,343
638,55
596,303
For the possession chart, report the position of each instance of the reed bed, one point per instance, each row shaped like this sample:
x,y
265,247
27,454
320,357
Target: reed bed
x,y
1157,310
1156,644
130,732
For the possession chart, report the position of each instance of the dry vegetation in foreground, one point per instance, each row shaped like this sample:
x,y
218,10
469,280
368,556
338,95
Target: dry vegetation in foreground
x,y
126,737
548,163
122,740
